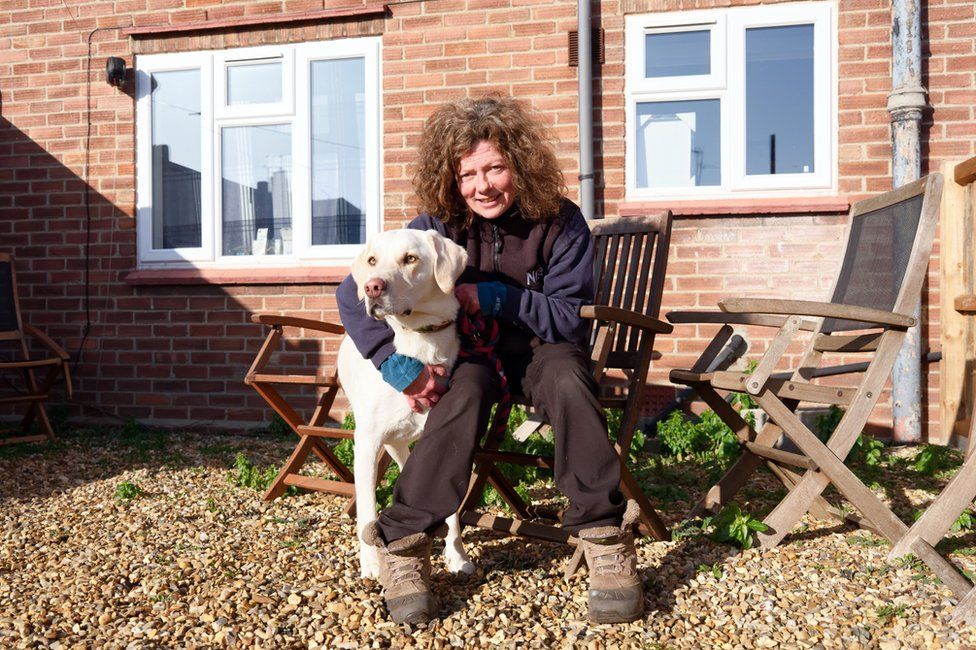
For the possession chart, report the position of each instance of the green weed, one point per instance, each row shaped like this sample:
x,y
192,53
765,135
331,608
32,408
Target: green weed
x,y
245,474
715,569
736,527
127,491
933,459
888,612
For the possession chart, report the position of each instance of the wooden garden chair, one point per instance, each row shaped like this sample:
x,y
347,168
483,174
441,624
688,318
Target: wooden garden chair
x,y
313,432
631,258
15,335
921,539
877,286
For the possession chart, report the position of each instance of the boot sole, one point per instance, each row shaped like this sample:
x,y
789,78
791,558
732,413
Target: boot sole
x,y
414,609
600,618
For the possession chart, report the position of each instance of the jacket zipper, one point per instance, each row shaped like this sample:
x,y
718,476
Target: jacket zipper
x,y
496,248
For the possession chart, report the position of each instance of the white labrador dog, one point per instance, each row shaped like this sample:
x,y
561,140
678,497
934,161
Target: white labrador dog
x,y
407,278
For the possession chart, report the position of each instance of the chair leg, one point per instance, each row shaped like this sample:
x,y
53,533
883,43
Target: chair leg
x,y
935,522
655,526
295,462
832,470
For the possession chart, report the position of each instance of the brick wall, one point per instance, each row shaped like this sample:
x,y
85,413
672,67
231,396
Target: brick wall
x,y
177,354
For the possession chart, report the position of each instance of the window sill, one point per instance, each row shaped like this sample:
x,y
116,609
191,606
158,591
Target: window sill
x,y
725,207
152,31
228,277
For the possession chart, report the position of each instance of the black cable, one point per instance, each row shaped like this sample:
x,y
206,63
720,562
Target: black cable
x,y
87,202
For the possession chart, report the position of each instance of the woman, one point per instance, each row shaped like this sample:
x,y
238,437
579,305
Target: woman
x,y
488,179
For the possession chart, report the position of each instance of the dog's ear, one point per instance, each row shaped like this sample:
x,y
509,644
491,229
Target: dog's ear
x,y
449,260
358,268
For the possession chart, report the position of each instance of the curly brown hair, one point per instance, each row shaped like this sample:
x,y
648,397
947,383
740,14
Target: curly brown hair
x,y
455,128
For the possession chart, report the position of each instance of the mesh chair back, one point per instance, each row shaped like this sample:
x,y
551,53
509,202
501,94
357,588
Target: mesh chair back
x,y
630,256
9,317
879,247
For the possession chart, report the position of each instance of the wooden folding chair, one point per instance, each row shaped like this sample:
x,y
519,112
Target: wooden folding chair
x,y
16,334
939,516
313,432
631,258
878,284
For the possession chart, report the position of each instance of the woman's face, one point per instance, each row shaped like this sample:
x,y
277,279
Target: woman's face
x,y
485,181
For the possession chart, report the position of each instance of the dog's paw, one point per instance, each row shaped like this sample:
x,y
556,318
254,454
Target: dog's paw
x,y
369,566
459,564
369,572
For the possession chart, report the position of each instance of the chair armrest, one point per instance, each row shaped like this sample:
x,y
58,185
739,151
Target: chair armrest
x,y
723,318
868,315
966,304
278,320
625,317
45,340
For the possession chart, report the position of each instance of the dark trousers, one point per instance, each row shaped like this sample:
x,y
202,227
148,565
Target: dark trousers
x,y
557,379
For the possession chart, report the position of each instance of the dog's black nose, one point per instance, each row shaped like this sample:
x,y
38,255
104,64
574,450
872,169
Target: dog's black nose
x,y
374,288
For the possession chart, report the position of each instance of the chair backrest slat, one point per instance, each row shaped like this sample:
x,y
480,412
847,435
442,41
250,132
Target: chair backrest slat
x,y
889,240
630,260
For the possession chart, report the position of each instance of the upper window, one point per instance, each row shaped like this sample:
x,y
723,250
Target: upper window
x,y
269,152
731,102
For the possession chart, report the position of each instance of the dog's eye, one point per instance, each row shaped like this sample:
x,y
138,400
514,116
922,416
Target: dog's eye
x,y
410,259
371,261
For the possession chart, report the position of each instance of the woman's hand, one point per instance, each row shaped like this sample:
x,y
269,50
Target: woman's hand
x,y
427,388
467,295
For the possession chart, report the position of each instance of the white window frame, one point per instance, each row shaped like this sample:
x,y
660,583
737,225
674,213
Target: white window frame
x,y
250,56
726,82
294,109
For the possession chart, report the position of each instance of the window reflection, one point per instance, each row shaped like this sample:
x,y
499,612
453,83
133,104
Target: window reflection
x,y
677,54
256,190
678,143
253,83
176,159
779,100
338,151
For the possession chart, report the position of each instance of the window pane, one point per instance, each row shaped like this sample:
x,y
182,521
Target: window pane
x,y
678,143
176,156
338,151
779,100
677,54
256,190
254,83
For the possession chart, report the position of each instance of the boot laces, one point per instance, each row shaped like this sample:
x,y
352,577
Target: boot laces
x,y
609,559
405,568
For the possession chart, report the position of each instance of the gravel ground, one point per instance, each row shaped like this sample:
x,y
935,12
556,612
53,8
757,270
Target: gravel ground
x,y
196,561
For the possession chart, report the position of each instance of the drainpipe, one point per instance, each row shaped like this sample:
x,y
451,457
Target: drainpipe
x,y
905,104
585,52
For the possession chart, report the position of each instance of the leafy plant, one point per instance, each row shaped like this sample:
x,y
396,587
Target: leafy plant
x,y
278,427
715,569
706,438
965,521
245,474
933,459
888,612
690,528
826,423
736,527
127,491
867,450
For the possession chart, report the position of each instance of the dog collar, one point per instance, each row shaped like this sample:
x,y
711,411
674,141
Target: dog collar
x,y
426,329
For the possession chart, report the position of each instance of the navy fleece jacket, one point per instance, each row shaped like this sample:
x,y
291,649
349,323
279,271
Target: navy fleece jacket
x,y
546,308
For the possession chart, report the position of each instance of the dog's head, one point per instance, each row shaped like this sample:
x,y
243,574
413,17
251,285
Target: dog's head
x,y
400,268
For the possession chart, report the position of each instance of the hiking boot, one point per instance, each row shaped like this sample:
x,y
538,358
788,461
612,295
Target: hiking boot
x,y
616,594
405,576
